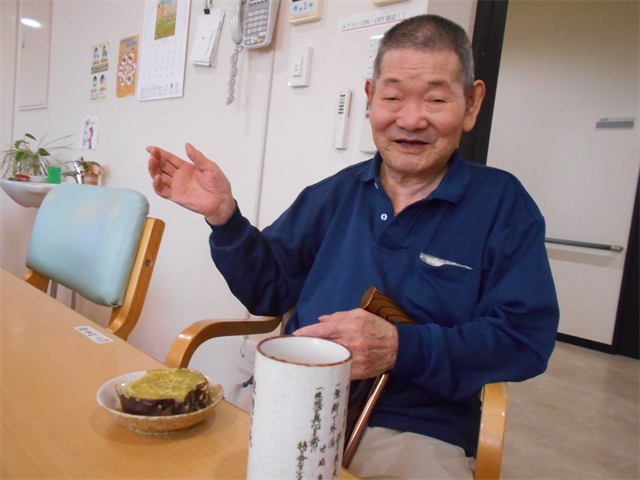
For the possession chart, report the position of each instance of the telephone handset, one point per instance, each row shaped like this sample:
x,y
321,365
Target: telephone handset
x,y
253,25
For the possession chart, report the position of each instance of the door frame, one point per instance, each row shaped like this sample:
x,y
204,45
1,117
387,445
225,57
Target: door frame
x,y
488,38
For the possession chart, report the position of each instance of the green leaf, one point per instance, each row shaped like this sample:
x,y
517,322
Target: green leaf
x,y
29,135
43,152
20,156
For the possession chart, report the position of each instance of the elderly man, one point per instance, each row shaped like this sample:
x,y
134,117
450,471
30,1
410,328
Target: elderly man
x,y
459,246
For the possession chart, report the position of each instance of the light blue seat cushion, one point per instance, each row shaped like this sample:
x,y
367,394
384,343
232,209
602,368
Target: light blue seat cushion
x,y
86,238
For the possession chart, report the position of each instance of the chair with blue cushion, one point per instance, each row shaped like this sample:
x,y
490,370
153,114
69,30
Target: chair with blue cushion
x,y
98,242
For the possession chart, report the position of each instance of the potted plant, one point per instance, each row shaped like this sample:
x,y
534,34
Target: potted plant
x,y
22,161
90,171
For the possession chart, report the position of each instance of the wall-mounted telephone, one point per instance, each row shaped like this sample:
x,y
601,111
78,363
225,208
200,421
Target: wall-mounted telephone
x,y
253,25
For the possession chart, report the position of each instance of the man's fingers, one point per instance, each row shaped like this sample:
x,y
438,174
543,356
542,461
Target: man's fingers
x,y
198,159
165,157
160,187
341,316
154,168
320,330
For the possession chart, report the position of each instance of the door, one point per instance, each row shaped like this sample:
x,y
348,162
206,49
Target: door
x,y
565,66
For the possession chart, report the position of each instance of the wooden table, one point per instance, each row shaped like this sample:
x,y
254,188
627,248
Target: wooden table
x,y
51,424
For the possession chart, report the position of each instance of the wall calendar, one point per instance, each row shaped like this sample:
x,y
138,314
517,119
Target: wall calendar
x,y
163,49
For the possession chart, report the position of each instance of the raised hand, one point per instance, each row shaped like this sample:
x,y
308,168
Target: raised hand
x,y
199,186
372,340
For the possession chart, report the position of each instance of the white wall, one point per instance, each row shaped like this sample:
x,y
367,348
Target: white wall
x,y
564,66
289,131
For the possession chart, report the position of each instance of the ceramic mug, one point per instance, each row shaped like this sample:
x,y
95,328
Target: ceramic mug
x,y
298,411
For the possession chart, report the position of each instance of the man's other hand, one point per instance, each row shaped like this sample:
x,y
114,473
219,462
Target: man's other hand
x,y
372,340
199,186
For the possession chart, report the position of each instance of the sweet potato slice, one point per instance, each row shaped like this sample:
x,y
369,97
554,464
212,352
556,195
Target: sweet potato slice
x,y
171,391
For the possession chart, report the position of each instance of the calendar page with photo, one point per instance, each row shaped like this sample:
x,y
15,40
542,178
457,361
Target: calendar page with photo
x,y
163,51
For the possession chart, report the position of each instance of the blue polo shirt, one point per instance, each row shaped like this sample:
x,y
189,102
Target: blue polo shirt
x,y
493,321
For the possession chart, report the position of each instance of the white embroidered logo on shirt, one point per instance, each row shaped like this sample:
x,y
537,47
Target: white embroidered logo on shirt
x,y
438,262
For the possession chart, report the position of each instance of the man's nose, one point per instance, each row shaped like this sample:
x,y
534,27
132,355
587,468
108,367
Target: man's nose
x,y
412,117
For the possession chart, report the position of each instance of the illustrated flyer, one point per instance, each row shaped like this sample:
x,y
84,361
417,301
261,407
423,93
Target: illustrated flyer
x,y
127,66
99,71
89,133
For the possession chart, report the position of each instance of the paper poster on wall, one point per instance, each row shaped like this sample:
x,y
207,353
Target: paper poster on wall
x,y
127,66
163,49
89,133
99,71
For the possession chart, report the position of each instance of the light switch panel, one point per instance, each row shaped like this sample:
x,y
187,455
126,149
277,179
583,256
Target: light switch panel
x,y
372,51
300,71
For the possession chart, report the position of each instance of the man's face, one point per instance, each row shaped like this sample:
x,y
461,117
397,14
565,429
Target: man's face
x,y
419,110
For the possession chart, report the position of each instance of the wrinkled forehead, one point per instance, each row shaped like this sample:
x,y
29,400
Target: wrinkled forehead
x,y
386,61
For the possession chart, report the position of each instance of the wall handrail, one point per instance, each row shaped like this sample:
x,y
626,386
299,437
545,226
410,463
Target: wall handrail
x,y
574,243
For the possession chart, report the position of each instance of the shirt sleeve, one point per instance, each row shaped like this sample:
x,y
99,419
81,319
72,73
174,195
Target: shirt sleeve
x,y
267,270
513,329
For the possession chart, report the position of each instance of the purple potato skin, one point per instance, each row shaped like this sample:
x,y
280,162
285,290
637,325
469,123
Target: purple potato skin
x,y
196,399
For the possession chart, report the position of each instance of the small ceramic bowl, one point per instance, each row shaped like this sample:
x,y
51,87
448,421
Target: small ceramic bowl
x,y
108,399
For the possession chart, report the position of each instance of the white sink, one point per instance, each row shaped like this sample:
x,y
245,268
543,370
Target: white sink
x,y
27,194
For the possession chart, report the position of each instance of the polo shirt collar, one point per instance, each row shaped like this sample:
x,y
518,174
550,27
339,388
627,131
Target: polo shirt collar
x,y
451,188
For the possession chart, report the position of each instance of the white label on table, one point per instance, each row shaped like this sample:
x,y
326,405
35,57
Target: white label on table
x,y
93,334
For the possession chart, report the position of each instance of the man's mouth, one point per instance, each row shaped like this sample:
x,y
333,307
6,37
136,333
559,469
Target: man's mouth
x,y
411,143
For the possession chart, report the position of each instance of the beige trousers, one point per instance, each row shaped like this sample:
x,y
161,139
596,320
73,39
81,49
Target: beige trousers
x,y
389,454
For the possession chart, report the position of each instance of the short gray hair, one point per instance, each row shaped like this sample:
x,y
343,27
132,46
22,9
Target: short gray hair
x,y
429,33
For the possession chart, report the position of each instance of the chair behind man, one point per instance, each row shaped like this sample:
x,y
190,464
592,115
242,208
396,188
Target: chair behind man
x,y
98,242
493,396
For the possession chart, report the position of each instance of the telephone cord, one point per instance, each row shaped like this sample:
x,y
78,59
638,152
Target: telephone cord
x,y
233,74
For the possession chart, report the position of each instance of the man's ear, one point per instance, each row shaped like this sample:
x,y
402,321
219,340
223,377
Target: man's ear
x,y
368,89
474,102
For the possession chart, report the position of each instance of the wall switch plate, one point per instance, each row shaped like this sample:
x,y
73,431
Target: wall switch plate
x,y
247,357
300,68
372,52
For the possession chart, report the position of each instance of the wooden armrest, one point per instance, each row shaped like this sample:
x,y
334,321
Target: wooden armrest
x,y
490,441
197,333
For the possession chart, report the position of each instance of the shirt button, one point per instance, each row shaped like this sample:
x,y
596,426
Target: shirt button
x,y
383,216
